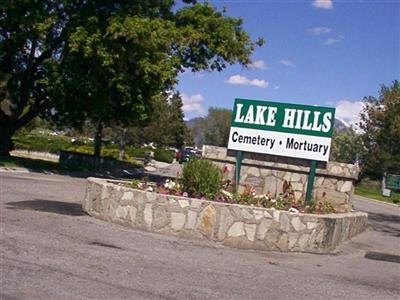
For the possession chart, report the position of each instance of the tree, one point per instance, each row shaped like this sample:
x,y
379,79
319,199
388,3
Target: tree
x,y
30,37
189,138
197,126
346,146
166,127
380,121
218,122
178,131
105,60
214,128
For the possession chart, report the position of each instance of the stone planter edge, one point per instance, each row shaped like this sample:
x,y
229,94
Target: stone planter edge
x,y
232,225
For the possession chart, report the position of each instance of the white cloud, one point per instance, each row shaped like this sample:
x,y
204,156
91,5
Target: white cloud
x,y
199,75
319,30
242,80
324,4
257,64
276,87
193,104
332,41
286,62
349,111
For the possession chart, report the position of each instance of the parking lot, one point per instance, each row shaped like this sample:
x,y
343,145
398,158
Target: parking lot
x,y
50,249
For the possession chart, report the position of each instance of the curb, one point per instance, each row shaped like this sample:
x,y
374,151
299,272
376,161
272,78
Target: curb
x,y
13,170
374,200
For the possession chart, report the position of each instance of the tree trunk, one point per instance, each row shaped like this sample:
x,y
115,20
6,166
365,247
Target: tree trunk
x,y
6,143
97,139
122,143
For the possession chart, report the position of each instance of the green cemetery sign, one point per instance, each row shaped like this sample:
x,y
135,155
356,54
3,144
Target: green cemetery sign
x,y
293,130
393,181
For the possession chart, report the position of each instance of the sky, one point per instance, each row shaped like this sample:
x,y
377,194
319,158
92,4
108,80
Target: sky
x,y
317,52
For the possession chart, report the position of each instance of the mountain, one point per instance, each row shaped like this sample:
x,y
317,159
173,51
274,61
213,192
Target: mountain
x,y
341,125
192,122
196,125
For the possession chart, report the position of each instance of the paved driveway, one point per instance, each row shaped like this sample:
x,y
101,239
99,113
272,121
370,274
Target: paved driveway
x,y
50,249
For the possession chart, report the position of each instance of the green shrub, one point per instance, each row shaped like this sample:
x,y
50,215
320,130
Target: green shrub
x,y
136,183
81,149
112,153
132,161
52,144
200,177
135,152
105,152
164,155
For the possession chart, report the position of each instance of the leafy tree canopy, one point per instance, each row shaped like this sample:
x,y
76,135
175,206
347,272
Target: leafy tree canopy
x,y
346,146
380,121
167,126
105,60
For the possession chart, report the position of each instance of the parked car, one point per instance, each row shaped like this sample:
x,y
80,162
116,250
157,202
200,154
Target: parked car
x,y
184,155
199,153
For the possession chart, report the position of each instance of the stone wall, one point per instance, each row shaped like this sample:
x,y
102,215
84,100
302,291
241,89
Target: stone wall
x,y
229,224
266,173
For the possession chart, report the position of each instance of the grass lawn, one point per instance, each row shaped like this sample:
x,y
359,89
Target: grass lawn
x,y
31,164
377,195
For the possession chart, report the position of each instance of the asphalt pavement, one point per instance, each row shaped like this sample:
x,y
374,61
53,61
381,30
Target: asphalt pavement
x,y
50,249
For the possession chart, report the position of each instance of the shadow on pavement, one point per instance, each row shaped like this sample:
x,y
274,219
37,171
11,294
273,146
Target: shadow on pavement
x,y
101,244
382,257
116,175
56,207
84,174
8,297
385,223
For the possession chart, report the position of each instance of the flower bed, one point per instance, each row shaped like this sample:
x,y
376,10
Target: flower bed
x,y
235,225
203,180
